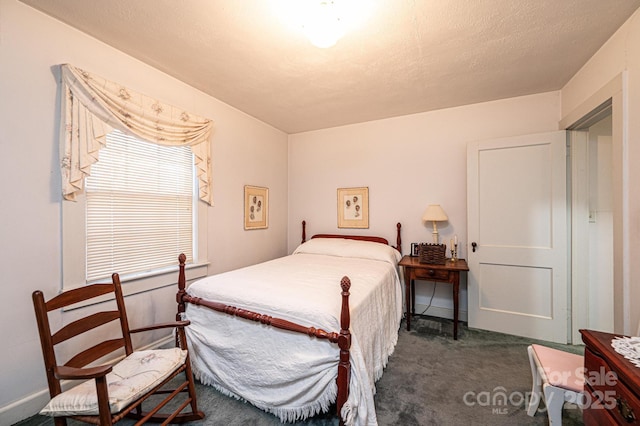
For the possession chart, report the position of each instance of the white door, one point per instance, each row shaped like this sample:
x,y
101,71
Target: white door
x,y
517,214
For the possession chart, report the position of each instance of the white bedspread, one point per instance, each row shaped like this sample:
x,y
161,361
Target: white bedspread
x,y
289,374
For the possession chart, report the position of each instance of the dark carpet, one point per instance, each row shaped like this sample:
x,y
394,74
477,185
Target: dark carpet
x,y
483,378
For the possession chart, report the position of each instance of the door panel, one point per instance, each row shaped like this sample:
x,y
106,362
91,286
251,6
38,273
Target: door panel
x,y
517,216
520,290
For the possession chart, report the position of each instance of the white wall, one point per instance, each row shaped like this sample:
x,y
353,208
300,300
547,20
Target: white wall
x,y
619,55
407,162
245,151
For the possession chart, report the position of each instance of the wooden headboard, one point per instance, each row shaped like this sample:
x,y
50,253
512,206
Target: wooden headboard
x,y
374,239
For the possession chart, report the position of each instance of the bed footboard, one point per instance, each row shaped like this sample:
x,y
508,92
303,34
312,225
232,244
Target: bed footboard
x,y
342,339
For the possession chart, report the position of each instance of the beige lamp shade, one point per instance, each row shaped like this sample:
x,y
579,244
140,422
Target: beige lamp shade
x,y
435,214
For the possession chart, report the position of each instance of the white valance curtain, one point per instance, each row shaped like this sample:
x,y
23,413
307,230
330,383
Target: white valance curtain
x,y
92,107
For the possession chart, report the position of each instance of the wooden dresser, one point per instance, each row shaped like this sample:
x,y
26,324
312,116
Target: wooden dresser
x,y
612,383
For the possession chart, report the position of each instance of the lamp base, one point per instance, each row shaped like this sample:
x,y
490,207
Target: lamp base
x,y
435,233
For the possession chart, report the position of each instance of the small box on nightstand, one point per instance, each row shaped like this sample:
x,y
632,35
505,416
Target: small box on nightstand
x,y
433,254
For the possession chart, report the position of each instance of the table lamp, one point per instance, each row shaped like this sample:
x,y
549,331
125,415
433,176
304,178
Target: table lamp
x,y
435,214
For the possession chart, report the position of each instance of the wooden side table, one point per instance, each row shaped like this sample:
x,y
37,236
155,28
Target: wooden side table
x,y
612,383
449,272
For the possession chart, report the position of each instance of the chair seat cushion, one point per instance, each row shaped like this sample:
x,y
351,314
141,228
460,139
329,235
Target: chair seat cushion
x,y
561,369
130,379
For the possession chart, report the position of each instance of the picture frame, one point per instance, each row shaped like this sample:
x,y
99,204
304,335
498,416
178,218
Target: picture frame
x,y
415,249
353,207
256,207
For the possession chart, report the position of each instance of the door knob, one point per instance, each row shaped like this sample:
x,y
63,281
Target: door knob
x,y
473,246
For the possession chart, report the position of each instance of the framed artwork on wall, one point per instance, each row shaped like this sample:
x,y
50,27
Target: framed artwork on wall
x,y
256,207
353,207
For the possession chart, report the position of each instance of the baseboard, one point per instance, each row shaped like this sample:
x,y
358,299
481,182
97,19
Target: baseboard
x,y
31,404
440,312
24,408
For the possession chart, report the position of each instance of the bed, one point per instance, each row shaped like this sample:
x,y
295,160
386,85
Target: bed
x,y
267,333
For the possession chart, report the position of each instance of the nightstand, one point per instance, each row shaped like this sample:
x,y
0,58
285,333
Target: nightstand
x,y
449,272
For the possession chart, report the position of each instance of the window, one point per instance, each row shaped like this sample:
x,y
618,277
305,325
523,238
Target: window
x,y
139,207
139,211
136,226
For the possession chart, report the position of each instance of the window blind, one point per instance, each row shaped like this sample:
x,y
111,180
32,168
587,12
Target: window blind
x,y
139,213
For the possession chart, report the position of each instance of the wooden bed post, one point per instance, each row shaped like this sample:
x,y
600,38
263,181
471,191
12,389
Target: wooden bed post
x,y
182,283
398,239
304,231
344,343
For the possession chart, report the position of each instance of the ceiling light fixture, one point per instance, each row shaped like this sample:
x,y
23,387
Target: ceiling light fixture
x,y
323,26
323,22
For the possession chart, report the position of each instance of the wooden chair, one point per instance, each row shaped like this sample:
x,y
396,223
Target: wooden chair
x,y
111,392
557,378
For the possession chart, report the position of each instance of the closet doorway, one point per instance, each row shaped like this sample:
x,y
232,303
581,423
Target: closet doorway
x,y
592,222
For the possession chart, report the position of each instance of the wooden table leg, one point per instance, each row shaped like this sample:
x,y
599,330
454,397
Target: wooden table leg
x,y
456,294
413,297
407,297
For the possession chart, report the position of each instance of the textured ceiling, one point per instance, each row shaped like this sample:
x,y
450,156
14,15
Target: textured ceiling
x,y
409,56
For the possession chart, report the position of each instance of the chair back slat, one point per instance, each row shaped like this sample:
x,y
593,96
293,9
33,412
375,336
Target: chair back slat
x,y
85,324
95,352
77,295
